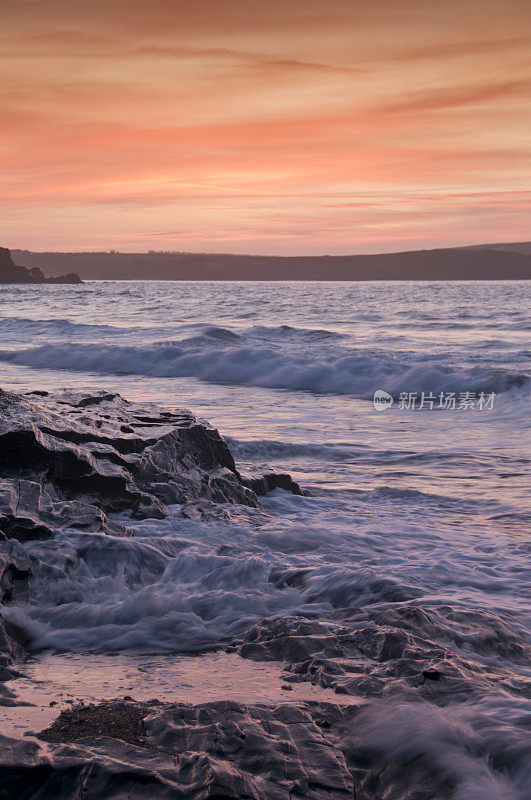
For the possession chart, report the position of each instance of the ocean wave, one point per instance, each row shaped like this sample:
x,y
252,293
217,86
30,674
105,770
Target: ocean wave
x,y
351,372
195,333
263,449
469,751
390,494
289,332
157,593
24,327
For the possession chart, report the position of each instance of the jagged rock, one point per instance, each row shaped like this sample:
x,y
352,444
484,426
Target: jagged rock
x,y
10,651
270,481
214,750
32,510
11,273
362,658
13,568
68,460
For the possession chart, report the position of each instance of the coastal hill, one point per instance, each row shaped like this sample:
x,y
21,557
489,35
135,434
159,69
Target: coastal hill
x,y
480,262
12,273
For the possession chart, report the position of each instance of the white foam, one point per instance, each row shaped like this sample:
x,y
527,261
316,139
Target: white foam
x,y
356,372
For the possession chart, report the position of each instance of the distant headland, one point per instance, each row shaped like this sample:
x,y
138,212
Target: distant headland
x,y
12,273
510,261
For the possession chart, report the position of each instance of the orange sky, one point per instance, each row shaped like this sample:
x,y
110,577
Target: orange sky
x,y
264,126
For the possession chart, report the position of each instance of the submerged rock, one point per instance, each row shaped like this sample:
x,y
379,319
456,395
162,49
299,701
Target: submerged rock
x,y
270,481
367,655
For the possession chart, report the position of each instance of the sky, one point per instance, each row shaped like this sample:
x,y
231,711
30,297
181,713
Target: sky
x,y
264,126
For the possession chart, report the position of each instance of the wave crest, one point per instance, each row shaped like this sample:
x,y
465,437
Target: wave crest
x,y
358,372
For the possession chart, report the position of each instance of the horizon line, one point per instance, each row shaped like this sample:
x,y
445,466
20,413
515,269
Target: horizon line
x,y
114,251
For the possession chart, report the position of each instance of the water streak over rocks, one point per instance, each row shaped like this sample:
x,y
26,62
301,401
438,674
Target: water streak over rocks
x,y
68,460
375,653
414,616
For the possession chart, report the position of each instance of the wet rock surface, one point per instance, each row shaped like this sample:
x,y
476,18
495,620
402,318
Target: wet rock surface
x,y
389,748
270,481
374,655
214,750
70,459
419,683
12,571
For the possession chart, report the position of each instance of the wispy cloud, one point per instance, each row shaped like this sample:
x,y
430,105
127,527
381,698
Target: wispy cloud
x,y
246,57
289,125
440,98
459,48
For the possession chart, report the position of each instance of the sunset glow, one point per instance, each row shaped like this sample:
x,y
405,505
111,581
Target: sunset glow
x,y
264,127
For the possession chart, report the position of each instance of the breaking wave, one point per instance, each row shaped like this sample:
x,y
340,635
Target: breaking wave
x,y
350,372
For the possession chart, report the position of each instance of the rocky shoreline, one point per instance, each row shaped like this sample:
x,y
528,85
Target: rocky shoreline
x,y
85,464
151,750
70,460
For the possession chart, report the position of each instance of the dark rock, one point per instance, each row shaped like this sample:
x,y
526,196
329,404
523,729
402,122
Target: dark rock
x,y
11,273
119,720
211,751
476,630
70,277
432,674
15,569
270,481
362,659
30,509
10,650
274,753
25,767
70,459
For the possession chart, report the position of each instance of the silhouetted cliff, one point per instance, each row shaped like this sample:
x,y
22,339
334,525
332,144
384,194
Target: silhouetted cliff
x,y
12,273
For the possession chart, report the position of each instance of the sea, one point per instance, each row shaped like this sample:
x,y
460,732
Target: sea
x,y
421,498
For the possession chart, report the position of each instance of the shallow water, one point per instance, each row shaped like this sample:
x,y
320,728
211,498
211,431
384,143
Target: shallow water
x,y
405,507
54,683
